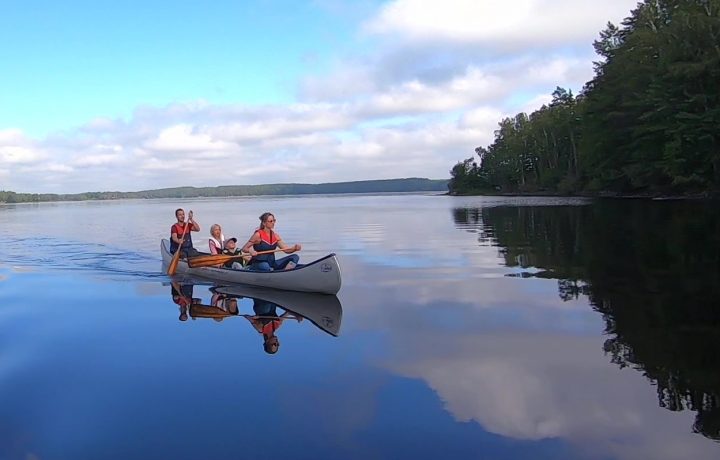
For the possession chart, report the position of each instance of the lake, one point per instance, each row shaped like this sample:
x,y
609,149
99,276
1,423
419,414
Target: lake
x,y
466,327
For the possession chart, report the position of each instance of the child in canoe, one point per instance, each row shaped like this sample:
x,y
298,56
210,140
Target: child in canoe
x,y
231,249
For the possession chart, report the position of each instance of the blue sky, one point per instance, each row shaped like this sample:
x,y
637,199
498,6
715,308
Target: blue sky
x,y
69,62
133,95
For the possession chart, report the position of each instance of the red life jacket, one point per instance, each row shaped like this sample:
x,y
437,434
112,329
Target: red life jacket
x,y
178,229
268,242
268,237
270,328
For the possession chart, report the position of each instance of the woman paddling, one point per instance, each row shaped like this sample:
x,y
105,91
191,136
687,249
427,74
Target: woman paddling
x,y
265,239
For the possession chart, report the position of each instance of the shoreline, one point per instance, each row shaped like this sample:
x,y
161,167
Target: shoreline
x,y
614,195
225,197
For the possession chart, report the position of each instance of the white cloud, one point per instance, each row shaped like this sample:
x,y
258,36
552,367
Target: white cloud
x,y
507,24
293,121
57,168
481,118
17,154
185,138
17,149
477,84
348,80
417,97
321,142
11,136
97,160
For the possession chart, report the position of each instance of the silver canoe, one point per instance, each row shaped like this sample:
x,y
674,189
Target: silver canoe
x,y
322,275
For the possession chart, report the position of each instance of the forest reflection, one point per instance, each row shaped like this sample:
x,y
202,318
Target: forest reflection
x,y
650,268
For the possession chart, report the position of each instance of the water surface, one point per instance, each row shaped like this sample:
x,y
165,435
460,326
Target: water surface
x,y
478,327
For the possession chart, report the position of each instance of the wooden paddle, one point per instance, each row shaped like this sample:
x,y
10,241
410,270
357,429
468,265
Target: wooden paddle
x,y
199,310
273,317
176,257
219,259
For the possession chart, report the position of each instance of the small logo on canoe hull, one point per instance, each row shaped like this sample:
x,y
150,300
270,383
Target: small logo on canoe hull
x,y
325,267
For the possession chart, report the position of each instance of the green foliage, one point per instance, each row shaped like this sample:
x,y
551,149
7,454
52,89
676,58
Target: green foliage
x,y
532,153
369,186
465,177
648,122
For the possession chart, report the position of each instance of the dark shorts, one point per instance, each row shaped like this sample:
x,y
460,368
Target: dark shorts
x,y
264,308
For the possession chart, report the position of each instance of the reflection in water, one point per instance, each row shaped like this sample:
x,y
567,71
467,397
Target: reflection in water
x,y
651,270
267,309
219,306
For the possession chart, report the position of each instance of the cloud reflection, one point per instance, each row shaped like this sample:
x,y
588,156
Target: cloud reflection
x,y
535,386
509,355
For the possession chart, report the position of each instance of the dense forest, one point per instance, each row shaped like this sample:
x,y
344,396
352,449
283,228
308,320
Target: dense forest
x,y
649,268
647,123
368,186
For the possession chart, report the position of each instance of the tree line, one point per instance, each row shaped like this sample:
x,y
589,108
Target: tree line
x,y
368,186
648,122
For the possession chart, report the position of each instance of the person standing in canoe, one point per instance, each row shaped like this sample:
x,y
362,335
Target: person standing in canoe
x,y
265,239
177,231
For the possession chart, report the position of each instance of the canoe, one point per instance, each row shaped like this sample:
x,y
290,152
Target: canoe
x,y
320,276
323,310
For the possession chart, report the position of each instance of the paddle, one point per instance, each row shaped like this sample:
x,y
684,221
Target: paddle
x,y
273,317
176,257
219,259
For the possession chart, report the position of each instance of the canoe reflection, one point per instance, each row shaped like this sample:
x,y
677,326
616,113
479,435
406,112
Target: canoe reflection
x,y
324,311
265,309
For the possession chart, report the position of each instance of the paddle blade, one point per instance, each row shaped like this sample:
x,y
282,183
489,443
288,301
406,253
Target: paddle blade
x,y
208,311
209,261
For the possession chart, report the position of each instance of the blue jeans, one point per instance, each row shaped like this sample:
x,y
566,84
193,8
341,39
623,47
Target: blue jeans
x,y
279,264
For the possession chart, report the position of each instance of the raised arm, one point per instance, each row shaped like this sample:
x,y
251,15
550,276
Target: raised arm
x,y
195,227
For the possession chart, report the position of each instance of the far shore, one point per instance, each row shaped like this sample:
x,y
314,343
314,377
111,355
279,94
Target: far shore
x,y
604,194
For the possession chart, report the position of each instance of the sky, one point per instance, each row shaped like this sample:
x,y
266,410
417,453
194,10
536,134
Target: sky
x,y
137,95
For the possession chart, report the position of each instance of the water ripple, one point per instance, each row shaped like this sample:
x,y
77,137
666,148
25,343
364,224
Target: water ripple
x,y
54,254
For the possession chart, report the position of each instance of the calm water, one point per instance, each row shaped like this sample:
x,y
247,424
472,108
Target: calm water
x,y
473,327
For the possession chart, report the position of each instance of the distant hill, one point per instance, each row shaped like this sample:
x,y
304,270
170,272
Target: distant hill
x,y
412,184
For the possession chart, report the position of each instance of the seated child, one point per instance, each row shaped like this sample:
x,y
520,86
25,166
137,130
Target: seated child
x,y
232,250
